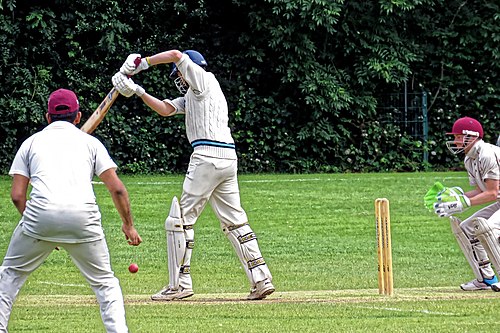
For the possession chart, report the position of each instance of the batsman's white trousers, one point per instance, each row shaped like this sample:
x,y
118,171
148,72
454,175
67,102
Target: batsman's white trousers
x,y
490,213
25,254
214,180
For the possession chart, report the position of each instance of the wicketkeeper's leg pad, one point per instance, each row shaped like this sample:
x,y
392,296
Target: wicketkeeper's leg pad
x,y
490,239
180,243
245,244
477,260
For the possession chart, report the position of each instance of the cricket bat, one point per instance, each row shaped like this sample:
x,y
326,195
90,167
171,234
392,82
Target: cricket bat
x,y
98,115
103,108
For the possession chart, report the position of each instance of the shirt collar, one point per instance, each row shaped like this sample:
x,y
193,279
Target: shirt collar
x,y
476,149
60,124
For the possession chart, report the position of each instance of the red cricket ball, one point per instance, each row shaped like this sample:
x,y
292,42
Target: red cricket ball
x,y
133,268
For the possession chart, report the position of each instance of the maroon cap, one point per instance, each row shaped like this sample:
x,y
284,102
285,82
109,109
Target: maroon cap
x,y
467,125
63,101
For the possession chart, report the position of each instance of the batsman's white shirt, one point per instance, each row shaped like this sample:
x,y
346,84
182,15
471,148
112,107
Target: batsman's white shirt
x,y
483,162
212,171
206,111
61,161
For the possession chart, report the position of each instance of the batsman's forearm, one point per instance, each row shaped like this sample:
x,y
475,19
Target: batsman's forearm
x,y
160,107
165,57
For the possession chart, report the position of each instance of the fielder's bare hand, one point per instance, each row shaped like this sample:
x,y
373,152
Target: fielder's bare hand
x,y
131,235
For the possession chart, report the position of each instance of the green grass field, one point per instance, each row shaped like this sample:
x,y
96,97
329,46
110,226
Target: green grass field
x,y
317,234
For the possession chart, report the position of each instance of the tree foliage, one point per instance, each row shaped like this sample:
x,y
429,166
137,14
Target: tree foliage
x,y
305,79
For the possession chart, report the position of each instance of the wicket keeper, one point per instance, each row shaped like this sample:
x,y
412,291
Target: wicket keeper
x,y
478,234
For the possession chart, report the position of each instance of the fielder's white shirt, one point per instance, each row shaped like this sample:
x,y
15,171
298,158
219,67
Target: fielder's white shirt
x,y
483,162
61,161
206,111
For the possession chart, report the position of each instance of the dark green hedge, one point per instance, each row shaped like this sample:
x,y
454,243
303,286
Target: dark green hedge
x,y
304,78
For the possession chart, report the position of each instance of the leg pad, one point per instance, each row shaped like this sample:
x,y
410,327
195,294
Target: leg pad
x,y
467,246
489,238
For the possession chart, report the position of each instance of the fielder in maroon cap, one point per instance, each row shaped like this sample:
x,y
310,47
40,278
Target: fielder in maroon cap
x,y
60,162
63,105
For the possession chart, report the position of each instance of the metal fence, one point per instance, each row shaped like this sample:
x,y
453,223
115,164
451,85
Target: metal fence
x,y
408,111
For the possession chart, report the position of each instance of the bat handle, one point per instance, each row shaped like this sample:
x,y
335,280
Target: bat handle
x,y
137,62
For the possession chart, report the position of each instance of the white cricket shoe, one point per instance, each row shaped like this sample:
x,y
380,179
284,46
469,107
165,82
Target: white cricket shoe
x,y
475,285
261,290
169,294
495,286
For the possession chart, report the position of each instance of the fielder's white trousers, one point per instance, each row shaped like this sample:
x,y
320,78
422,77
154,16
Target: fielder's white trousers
x,y
25,254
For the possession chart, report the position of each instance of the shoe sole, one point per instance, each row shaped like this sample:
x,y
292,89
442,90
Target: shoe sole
x,y
494,287
171,298
479,289
264,294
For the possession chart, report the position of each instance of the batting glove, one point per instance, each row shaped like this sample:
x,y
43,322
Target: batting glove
x,y
130,66
126,86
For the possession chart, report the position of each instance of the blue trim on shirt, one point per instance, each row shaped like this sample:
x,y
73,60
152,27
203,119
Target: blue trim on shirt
x,y
212,143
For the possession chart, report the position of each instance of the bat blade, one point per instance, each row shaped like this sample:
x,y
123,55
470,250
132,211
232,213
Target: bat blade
x,y
98,115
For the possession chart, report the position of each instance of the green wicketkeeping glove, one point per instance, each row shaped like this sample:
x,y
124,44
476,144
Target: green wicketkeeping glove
x,y
431,195
452,201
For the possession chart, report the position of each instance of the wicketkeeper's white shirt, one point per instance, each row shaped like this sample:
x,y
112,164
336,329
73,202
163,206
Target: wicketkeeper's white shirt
x,y
61,161
483,162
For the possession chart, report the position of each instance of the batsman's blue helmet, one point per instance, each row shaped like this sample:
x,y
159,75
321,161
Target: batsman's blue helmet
x,y
195,56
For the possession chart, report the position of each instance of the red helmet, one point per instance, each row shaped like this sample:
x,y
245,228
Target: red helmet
x,y
469,126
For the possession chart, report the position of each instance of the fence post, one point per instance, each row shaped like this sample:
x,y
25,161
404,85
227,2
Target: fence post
x,y
425,125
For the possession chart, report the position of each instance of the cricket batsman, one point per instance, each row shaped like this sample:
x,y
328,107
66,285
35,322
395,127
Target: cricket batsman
x,y
211,176
477,235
